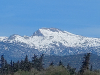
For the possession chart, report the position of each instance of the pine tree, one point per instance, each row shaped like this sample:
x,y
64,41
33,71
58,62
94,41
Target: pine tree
x,y
6,68
41,62
37,63
71,70
34,61
60,63
26,64
11,67
68,67
91,68
51,64
2,64
22,65
17,65
85,65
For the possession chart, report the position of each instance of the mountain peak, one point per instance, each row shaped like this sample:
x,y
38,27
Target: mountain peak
x,y
52,41
51,29
42,31
37,33
13,36
3,38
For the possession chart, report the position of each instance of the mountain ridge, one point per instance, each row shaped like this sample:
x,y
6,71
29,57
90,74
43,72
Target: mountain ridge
x,y
50,41
44,32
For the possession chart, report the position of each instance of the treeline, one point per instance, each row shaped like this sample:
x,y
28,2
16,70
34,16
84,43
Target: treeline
x,y
23,65
35,67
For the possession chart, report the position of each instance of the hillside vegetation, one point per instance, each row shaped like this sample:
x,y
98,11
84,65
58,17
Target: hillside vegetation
x,y
35,67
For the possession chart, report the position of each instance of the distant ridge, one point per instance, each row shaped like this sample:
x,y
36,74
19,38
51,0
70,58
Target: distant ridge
x,y
50,41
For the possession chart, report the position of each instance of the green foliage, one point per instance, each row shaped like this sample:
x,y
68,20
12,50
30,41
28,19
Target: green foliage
x,y
53,70
31,72
71,70
56,70
51,64
27,64
91,68
91,73
49,71
22,73
85,65
35,67
60,63
37,62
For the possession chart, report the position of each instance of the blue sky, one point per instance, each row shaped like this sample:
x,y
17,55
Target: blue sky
x,y
24,17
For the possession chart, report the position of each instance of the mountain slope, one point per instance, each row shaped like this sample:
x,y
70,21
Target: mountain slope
x,y
74,61
50,41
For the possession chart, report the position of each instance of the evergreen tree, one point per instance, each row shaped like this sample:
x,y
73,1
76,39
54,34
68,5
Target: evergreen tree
x,y
11,67
91,68
34,61
71,70
60,63
17,65
85,65
37,63
22,65
68,67
14,67
41,62
26,64
2,64
51,64
6,67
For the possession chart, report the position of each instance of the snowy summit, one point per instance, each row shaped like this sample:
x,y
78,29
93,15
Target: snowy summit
x,y
55,41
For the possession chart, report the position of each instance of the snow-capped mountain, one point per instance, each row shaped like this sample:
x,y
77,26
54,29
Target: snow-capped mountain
x,y
50,41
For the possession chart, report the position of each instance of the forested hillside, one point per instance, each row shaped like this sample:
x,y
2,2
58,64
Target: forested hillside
x,y
36,67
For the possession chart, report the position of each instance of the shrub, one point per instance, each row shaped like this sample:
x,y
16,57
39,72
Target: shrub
x,y
59,70
91,73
